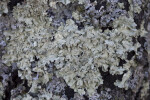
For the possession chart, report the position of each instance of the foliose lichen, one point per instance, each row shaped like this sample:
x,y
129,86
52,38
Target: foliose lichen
x,y
96,34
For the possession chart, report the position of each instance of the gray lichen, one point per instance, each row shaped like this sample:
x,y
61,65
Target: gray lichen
x,y
63,44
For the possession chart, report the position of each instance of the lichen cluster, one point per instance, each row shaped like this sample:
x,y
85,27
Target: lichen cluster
x,y
3,7
41,49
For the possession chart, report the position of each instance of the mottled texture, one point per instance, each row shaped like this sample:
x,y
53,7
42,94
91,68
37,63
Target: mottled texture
x,y
74,49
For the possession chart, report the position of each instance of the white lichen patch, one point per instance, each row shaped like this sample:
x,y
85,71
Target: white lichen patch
x,y
3,7
77,54
33,28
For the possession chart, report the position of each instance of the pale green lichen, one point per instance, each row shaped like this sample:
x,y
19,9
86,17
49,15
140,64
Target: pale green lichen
x,y
28,37
145,89
53,3
93,44
134,7
3,6
44,96
77,54
69,1
1,91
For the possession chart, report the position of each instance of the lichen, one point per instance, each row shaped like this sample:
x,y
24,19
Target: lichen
x,y
1,91
3,7
74,47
